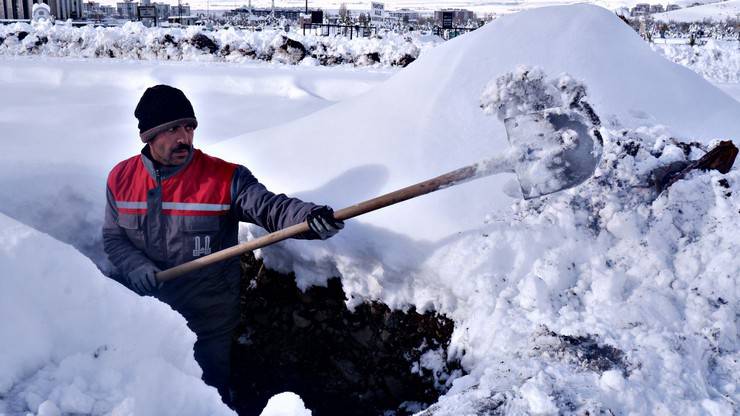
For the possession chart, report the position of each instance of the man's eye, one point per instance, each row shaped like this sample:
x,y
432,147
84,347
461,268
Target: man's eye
x,y
171,129
189,128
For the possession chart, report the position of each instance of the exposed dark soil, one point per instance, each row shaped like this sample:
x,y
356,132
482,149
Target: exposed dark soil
x,y
584,351
340,362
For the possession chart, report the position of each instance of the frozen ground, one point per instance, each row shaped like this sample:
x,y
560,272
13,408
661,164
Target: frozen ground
x,y
607,297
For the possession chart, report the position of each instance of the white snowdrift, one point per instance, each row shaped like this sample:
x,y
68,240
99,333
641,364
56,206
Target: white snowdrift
x,y
426,119
76,342
602,298
717,60
650,282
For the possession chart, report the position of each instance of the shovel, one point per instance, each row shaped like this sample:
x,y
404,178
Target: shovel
x,y
550,151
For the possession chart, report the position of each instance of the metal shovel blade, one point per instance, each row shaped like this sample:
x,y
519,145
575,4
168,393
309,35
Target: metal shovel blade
x,y
555,150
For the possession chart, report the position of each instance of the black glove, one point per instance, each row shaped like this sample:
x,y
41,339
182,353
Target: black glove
x,y
142,280
321,221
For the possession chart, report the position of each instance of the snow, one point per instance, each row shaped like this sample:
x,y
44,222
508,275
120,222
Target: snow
x,y
718,12
285,404
482,7
134,41
77,342
65,123
731,89
607,261
716,60
435,125
94,101
604,297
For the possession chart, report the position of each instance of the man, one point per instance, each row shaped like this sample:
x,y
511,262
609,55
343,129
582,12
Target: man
x,y
172,204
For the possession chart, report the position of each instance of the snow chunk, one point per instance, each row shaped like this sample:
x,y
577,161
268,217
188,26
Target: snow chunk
x,y
285,404
81,343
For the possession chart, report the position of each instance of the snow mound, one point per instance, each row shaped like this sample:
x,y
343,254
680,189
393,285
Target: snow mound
x,y
134,41
425,120
608,298
76,342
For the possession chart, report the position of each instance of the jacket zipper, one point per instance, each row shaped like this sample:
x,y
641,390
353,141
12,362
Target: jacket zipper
x,y
162,231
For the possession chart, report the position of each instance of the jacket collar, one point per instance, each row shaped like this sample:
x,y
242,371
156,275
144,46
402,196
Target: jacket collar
x,y
165,172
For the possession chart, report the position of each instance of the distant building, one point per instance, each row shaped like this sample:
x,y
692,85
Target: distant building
x,y
163,11
261,14
640,9
23,9
656,8
181,10
183,20
402,16
95,11
672,7
462,16
66,9
16,9
127,10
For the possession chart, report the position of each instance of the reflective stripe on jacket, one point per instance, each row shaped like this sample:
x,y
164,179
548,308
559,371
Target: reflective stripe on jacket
x,y
168,215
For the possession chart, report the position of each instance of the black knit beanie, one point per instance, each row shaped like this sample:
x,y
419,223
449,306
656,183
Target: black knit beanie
x,y
160,108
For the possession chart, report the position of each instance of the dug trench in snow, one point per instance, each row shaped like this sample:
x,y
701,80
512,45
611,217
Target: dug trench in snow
x,y
341,362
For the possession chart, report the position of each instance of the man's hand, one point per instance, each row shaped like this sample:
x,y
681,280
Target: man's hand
x,y
321,221
142,279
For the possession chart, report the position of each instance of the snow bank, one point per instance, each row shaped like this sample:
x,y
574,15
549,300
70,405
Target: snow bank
x,y
426,119
134,41
716,60
607,298
75,342
604,298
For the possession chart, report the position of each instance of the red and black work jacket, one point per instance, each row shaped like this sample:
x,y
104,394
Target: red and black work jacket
x,y
168,215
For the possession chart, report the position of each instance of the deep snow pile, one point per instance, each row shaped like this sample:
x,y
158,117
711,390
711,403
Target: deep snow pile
x,y
587,296
76,342
134,41
716,60
606,297
426,120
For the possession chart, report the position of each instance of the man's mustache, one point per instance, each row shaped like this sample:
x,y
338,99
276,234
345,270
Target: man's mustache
x,y
181,147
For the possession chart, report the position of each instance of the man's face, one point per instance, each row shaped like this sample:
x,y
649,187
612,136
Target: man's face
x,y
172,147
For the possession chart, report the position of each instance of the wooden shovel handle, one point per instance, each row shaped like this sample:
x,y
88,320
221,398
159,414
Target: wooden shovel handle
x,y
422,188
